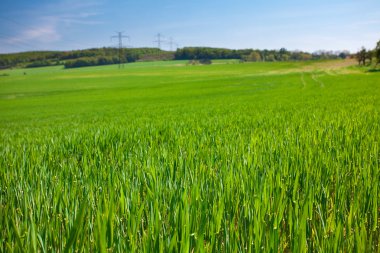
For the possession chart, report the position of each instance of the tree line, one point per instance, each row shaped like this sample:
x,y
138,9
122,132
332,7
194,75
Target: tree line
x,y
197,53
107,55
114,56
80,58
104,56
366,57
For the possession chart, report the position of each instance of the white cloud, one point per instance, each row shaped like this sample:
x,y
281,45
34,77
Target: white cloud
x,y
43,33
77,19
50,28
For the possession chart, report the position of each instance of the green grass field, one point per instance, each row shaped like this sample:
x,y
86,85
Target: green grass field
x,y
170,157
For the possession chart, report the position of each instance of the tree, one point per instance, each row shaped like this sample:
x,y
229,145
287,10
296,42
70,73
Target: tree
x,y
205,61
284,57
361,56
254,56
377,52
369,56
344,54
270,57
283,51
306,57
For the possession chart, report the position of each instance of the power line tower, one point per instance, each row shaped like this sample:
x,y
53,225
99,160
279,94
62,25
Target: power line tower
x,y
171,43
159,40
120,36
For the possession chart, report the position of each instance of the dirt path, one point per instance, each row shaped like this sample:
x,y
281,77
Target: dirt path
x,y
315,79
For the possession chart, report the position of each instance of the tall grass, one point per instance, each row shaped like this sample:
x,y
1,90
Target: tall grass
x,y
243,164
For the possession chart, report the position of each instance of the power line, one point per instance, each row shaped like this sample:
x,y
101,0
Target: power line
x,y
120,36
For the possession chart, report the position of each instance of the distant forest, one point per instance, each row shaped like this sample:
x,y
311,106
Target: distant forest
x,y
105,56
194,53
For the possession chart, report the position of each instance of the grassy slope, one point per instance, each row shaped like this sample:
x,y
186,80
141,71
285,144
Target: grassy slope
x,y
82,90
223,157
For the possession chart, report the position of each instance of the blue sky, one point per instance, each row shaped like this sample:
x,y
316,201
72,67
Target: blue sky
x,y
307,25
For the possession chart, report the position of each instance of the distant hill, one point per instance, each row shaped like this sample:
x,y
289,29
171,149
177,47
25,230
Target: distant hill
x,y
78,58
